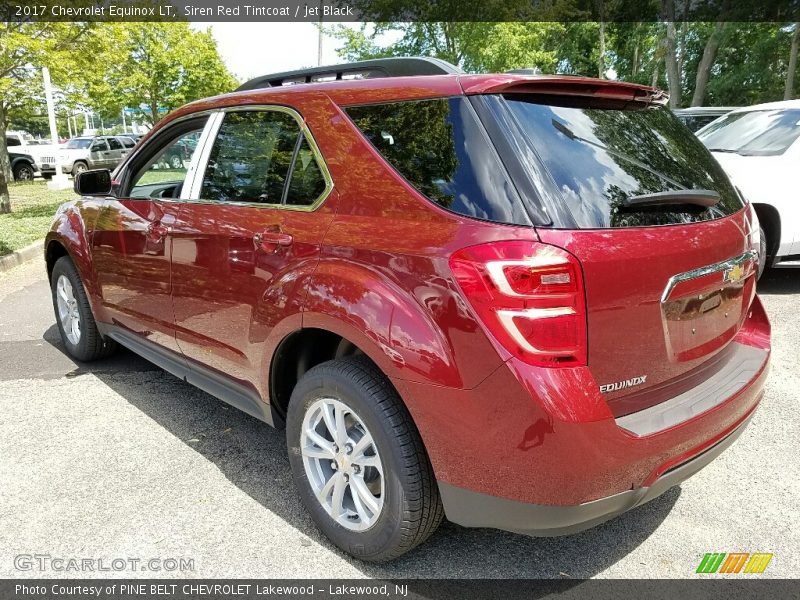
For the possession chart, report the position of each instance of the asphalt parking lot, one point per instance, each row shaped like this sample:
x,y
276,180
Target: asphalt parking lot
x,y
119,459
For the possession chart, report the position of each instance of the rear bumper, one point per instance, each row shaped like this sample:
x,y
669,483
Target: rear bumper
x,y
539,451
473,509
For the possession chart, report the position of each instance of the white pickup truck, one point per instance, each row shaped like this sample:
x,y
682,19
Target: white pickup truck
x,y
21,142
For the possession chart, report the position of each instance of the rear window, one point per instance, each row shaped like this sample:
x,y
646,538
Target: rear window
x,y
439,147
754,133
599,155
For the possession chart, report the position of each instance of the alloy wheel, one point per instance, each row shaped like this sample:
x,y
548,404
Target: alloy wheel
x,y
25,174
342,464
68,311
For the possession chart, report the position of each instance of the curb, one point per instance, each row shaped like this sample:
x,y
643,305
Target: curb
x,y
19,257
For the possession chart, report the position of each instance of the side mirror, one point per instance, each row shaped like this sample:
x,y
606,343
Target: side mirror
x,y
93,183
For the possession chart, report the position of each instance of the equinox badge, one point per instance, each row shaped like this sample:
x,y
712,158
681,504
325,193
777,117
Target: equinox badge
x,y
621,385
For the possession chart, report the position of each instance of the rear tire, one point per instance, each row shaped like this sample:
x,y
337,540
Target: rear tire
x,y
74,316
408,505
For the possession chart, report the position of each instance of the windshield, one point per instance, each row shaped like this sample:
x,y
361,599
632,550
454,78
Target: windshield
x,y
753,133
78,144
599,156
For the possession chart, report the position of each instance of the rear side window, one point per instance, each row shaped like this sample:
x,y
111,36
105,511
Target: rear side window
x,y
251,156
597,156
114,143
307,182
440,148
263,156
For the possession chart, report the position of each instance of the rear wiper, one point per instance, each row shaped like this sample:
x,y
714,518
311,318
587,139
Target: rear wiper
x,y
704,198
723,150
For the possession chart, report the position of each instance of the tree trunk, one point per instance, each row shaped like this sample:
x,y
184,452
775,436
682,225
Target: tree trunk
x,y
5,165
788,92
671,63
705,64
601,59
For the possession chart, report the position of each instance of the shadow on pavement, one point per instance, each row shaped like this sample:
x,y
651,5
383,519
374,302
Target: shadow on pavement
x,y
780,281
252,456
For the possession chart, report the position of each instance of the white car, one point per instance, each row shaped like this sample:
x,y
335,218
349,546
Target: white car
x,y
759,148
19,141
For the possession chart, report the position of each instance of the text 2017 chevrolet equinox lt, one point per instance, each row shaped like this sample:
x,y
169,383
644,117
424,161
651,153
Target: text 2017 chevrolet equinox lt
x,y
520,302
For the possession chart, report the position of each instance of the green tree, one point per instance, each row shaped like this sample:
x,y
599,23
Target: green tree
x,y
24,49
152,67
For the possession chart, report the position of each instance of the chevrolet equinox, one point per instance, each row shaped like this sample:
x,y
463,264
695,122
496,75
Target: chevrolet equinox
x,y
516,301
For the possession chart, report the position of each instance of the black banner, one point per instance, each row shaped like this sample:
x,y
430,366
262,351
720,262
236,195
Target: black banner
x,y
252,589
400,10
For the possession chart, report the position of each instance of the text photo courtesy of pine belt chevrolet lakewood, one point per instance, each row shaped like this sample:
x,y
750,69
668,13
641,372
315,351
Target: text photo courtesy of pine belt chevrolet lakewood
x,y
519,302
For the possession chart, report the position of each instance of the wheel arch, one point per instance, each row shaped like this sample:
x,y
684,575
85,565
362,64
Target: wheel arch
x,y
69,236
770,220
301,350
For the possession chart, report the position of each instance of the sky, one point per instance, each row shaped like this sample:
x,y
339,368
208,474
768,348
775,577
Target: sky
x,y
253,49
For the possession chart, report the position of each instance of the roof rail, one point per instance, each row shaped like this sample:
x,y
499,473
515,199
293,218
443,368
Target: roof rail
x,y
365,69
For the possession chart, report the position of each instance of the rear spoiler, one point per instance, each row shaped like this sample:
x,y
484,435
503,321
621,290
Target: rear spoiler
x,y
559,85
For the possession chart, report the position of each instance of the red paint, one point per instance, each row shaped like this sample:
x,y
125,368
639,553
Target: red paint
x,y
226,284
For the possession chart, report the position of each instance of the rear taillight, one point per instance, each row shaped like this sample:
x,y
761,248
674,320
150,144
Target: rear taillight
x,y
530,297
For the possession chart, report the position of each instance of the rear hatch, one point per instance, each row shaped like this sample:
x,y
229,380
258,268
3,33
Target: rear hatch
x,y
662,236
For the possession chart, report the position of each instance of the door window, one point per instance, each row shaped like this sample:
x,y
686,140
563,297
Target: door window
x,y
114,143
98,145
263,157
307,182
251,157
162,173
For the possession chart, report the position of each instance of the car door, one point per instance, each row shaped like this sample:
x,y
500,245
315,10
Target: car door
x,y
242,249
114,156
98,154
132,243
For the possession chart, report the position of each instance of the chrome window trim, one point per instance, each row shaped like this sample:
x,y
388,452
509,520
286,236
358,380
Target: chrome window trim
x,y
192,183
304,130
707,270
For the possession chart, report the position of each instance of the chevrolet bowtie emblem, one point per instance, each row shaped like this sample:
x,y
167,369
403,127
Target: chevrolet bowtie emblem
x,y
734,274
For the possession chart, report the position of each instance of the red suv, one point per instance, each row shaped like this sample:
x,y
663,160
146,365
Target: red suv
x,y
521,302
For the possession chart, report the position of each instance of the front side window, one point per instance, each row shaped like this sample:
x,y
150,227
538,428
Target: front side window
x,y
753,133
438,146
162,175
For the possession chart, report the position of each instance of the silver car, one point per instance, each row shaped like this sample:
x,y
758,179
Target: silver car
x,y
92,152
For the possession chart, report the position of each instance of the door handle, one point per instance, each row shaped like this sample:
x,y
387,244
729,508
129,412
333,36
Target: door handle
x,y
270,241
156,231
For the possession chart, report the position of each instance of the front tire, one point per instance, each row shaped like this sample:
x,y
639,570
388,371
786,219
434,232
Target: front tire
x,y
763,259
79,167
358,461
23,172
74,317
